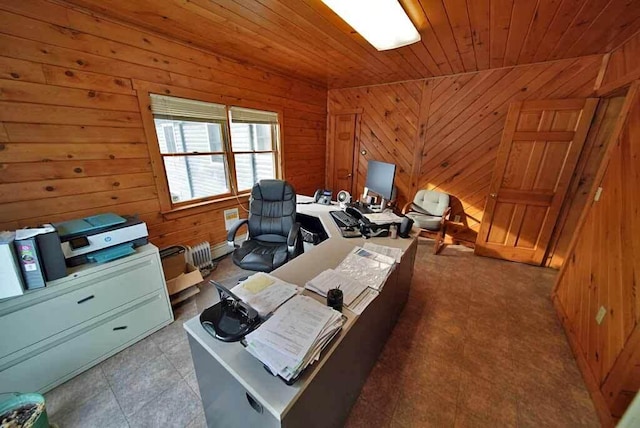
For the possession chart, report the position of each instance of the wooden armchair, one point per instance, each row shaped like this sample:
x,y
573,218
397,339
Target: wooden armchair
x,y
430,211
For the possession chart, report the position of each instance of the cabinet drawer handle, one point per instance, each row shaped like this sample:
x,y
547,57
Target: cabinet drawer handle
x,y
254,403
86,299
122,327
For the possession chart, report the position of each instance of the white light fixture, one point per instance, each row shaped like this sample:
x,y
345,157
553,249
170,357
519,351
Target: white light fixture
x,y
383,23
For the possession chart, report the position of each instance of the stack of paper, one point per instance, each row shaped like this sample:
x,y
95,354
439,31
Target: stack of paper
x,y
330,279
265,293
367,267
393,252
294,336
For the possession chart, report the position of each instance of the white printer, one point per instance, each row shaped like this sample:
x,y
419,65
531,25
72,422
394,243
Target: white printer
x,y
100,238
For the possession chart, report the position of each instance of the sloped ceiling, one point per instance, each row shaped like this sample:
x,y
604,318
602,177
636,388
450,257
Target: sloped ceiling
x,y
306,39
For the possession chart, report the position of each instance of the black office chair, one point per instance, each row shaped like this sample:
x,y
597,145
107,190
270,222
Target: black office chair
x,y
274,236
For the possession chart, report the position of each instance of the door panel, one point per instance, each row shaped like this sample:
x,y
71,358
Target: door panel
x,y
540,146
343,134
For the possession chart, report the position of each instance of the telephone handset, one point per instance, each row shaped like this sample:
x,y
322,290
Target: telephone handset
x,y
322,196
367,228
355,213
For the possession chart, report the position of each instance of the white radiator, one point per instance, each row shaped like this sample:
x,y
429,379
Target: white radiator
x,y
200,256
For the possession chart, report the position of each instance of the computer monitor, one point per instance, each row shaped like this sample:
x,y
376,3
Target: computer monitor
x,y
380,177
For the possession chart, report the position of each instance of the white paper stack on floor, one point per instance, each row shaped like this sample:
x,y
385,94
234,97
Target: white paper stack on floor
x,y
330,279
265,293
294,336
367,267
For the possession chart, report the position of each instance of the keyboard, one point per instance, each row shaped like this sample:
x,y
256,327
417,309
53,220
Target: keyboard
x,y
343,219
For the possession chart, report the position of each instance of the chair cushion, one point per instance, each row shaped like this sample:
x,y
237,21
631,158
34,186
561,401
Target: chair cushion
x,y
434,203
424,221
261,255
272,208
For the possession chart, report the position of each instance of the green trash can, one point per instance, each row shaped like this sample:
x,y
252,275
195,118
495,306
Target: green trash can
x,y
28,410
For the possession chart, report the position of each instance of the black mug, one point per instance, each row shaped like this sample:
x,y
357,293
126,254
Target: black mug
x,y
405,227
334,299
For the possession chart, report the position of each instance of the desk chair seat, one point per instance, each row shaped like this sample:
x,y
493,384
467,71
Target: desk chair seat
x,y
429,211
261,255
274,236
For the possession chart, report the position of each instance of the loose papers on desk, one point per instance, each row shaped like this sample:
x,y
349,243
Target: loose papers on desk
x,y
265,293
330,279
294,336
393,252
368,267
385,217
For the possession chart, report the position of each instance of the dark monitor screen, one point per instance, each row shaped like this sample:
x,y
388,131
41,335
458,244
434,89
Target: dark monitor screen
x,y
380,178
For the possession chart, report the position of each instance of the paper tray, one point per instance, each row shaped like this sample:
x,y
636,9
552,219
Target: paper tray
x,y
295,379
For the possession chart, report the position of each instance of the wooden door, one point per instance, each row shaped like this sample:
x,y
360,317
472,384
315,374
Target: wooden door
x,y
343,137
540,146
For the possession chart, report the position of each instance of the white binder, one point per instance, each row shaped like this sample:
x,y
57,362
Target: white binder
x,y
11,284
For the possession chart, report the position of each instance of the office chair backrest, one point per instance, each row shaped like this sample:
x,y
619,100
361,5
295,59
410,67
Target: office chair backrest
x,y
272,210
435,203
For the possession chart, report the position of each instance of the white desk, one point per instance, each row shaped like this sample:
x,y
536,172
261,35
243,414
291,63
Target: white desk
x,y
230,378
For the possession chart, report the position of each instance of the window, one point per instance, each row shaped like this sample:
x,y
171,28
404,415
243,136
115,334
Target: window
x,y
253,137
206,155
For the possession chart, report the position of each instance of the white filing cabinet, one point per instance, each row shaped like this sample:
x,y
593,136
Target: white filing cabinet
x,y
49,335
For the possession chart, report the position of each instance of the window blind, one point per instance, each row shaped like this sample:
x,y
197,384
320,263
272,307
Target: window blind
x,y
245,115
174,107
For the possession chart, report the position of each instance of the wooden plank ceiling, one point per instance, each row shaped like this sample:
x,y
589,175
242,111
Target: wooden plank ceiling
x,y
304,38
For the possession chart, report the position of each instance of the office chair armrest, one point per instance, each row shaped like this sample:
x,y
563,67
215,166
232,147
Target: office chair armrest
x,y
231,236
292,239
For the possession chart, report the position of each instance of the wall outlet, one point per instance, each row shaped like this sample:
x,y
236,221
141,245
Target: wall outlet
x,y
456,218
602,312
596,197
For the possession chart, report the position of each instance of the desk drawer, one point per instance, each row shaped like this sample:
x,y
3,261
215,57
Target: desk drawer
x,y
93,296
50,367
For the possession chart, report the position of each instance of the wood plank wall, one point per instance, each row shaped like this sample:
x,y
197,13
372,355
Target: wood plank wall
x,y
624,63
603,271
71,137
443,133
589,162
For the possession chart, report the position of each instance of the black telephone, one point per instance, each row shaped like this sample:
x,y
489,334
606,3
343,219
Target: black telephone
x,y
323,196
230,319
357,214
367,228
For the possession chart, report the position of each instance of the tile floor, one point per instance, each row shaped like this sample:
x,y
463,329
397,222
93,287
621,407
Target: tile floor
x,y
477,345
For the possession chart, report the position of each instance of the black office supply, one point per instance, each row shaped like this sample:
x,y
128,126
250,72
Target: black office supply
x,y
335,299
230,319
405,227
323,196
343,219
363,208
51,255
349,226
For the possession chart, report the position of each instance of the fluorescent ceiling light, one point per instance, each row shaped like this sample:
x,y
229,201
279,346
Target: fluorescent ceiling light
x,y
382,22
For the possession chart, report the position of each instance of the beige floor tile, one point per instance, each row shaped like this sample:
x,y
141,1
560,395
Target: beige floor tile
x,y
478,344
